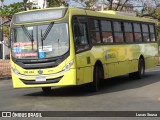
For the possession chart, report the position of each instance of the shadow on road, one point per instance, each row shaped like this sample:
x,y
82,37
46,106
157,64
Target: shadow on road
x,y
107,86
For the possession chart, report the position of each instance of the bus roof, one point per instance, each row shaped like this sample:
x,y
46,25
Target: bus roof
x,y
111,14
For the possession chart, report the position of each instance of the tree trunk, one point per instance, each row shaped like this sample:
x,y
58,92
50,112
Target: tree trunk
x,y
25,2
118,5
123,5
110,4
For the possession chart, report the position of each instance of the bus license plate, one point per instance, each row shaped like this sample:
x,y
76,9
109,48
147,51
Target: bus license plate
x,y
40,79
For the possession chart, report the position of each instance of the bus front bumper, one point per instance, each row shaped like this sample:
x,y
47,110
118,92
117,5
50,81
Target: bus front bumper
x,y
66,78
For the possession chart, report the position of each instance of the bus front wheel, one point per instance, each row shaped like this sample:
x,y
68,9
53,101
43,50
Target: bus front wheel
x,y
46,90
97,76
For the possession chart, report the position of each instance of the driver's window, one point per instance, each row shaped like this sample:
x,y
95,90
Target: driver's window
x,y
80,36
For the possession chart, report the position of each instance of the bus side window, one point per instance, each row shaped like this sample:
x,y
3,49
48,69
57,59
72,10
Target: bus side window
x,y
106,28
145,33
118,32
152,33
137,32
80,36
128,32
94,31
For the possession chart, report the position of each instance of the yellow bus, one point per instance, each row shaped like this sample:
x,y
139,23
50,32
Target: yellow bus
x,y
71,46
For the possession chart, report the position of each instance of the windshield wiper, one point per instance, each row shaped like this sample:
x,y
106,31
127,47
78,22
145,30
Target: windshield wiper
x,y
45,34
30,36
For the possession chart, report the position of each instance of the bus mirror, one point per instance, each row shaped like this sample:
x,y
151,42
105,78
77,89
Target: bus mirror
x,y
1,35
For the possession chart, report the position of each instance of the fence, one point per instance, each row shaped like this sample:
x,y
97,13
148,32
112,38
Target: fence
x,y
5,69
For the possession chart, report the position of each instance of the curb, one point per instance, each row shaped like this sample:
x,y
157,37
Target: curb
x,y
5,78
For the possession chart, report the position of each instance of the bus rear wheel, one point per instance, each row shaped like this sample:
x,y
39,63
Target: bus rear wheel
x,y
141,69
46,90
97,76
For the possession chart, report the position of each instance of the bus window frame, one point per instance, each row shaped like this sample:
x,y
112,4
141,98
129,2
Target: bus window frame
x,y
111,31
145,32
117,20
87,29
125,31
91,31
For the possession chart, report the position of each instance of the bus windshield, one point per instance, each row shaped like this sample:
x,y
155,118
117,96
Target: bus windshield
x,y
42,41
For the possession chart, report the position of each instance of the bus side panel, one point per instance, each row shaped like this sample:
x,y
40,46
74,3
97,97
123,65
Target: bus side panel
x,y
116,59
150,62
151,55
84,67
133,65
110,59
122,58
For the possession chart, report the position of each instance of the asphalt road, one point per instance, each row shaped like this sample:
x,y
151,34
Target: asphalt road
x,y
116,94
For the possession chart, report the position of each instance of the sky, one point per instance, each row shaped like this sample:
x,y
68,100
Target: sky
x,y
7,2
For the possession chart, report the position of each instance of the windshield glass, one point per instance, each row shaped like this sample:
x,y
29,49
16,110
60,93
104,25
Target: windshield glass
x,y
43,41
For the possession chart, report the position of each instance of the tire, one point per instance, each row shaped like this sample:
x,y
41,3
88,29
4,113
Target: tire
x,y
46,90
141,69
98,75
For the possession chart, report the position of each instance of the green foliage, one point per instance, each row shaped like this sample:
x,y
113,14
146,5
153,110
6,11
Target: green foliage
x,y
8,11
158,31
6,30
57,3
156,15
86,3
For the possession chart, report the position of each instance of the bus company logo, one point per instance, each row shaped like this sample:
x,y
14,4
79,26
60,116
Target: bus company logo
x,y
40,71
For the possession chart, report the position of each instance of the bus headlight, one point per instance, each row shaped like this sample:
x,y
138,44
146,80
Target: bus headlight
x,y
15,70
68,66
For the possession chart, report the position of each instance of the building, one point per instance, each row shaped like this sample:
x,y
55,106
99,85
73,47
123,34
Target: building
x,y
39,3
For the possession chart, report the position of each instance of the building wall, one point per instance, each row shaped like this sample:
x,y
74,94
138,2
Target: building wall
x,y
39,3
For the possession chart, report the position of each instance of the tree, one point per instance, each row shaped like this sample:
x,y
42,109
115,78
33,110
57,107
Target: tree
x,y
158,31
149,7
57,3
156,15
8,11
25,4
86,3
146,7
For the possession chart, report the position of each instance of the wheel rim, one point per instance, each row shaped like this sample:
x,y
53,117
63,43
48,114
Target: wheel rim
x,y
141,68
